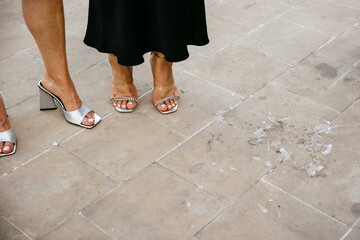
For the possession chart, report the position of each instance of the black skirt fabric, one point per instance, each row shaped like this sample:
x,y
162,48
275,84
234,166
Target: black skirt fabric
x,y
131,28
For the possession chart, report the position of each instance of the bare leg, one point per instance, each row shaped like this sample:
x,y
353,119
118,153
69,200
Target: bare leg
x,y
122,85
45,20
5,147
164,85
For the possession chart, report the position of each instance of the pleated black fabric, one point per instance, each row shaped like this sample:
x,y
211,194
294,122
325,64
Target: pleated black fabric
x,y
131,28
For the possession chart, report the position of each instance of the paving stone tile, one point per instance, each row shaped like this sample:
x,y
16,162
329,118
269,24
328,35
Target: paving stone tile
x,y
47,191
9,9
9,232
350,3
278,117
19,77
290,44
324,76
5,167
77,228
121,151
329,17
14,38
346,127
267,213
354,234
93,85
239,69
248,13
221,34
193,59
36,130
156,204
198,105
324,176
221,160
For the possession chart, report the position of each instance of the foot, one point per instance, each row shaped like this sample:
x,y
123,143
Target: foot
x,y
5,147
164,85
67,93
122,84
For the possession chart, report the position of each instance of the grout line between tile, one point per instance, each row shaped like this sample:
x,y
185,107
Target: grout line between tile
x,y
92,223
26,162
16,227
307,204
351,228
56,227
227,90
187,139
340,78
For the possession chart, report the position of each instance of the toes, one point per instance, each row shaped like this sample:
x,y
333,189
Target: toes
x,y
162,107
118,104
131,104
1,147
8,147
123,104
172,102
89,119
168,104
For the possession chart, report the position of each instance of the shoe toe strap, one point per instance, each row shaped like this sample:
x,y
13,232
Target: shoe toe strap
x,y
78,115
8,136
165,99
123,99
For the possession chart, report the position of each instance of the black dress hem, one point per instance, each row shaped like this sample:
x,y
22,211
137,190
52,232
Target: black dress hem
x,y
141,59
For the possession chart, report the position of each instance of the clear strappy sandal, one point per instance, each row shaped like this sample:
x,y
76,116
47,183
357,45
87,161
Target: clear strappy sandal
x,y
8,136
124,99
174,109
47,102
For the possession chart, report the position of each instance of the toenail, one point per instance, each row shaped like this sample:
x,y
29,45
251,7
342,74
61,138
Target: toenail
x,y
118,105
169,106
6,148
163,105
0,150
91,120
173,105
130,103
124,106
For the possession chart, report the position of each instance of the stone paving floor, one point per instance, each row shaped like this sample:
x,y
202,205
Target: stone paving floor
x,y
265,145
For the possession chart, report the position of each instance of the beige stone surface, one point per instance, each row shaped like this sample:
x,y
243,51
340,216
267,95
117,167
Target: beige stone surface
x,y
221,160
248,13
354,234
314,167
290,44
346,127
329,75
120,151
19,74
221,34
14,38
239,70
9,232
328,17
77,228
156,204
264,145
38,200
267,213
